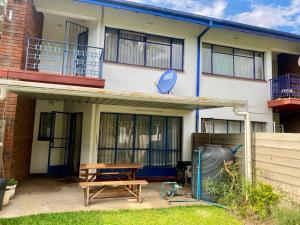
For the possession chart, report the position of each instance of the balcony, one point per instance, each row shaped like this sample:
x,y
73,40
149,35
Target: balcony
x,y
60,63
285,93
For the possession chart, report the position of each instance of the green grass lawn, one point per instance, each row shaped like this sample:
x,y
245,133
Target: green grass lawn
x,y
197,215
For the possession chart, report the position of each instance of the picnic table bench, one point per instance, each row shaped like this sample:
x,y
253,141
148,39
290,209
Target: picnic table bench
x,y
135,192
94,189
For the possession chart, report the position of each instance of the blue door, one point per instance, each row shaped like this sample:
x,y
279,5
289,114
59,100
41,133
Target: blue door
x,y
64,143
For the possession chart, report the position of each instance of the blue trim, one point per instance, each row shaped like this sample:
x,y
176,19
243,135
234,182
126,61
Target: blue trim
x,y
193,18
198,75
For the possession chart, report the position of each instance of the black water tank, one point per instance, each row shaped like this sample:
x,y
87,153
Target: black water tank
x,y
2,190
212,162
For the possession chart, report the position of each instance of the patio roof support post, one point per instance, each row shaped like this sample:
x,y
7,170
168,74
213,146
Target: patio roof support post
x,y
248,144
198,75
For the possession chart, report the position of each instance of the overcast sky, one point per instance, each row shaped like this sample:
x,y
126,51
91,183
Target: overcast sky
x,y
282,15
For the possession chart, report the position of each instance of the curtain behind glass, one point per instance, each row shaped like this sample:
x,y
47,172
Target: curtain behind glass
x,y
142,139
234,127
243,63
131,48
222,60
158,141
111,44
220,126
107,138
206,58
177,54
207,126
125,138
174,140
259,65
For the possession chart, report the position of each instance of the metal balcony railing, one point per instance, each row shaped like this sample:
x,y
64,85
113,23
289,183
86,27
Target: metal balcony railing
x,y
63,58
286,86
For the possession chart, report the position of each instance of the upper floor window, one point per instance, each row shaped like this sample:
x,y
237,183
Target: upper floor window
x,y
143,49
234,62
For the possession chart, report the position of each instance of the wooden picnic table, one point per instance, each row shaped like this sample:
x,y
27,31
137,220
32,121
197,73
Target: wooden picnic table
x,y
92,171
109,169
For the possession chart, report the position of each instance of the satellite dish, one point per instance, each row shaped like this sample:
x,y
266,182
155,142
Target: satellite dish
x,y
167,82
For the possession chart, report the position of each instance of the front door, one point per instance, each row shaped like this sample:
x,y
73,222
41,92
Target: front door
x,y
64,143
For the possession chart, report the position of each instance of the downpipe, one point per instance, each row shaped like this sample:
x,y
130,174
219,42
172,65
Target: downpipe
x,y
248,144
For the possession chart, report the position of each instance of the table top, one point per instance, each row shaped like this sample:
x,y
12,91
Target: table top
x,y
111,166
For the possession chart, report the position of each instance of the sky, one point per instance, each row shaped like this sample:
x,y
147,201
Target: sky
x,y
281,15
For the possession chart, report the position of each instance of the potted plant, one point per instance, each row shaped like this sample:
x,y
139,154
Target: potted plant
x,y
11,185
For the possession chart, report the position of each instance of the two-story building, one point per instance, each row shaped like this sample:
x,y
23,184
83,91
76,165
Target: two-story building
x,y
82,74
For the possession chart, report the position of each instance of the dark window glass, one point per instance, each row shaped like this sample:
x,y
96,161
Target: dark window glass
x,y
45,126
150,140
143,49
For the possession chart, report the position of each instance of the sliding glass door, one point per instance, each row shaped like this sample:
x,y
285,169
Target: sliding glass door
x,y
151,140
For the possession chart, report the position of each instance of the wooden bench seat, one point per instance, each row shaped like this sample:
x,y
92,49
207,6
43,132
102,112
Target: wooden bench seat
x,y
130,186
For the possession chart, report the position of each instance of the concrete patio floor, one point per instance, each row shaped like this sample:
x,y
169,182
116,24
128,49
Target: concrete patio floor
x,y
38,195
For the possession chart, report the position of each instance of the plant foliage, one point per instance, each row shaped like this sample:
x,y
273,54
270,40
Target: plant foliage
x,y
239,196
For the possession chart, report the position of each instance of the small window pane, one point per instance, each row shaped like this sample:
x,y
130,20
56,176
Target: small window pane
x,y
207,126
206,58
220,126
223,50
158,55
244,53
259,65
177,54
234,127
111,44
45,126
243,67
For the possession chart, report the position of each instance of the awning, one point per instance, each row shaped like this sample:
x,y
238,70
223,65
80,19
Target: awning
x,y
58,92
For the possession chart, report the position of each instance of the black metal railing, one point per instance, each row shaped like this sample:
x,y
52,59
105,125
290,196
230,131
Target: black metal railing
x,y
286,86
63,58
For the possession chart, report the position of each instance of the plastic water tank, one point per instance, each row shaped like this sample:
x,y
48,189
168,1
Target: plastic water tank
x,y
212,162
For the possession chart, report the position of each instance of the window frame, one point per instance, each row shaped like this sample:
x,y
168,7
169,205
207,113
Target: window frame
x,y
145,48
149,149
233,56
241,125
40,136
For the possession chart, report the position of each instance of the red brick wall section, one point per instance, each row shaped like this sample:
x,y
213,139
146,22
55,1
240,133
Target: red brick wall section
x,y
19,111
26,22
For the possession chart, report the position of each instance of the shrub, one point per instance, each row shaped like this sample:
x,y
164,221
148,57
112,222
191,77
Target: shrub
x,y
287,215
240,197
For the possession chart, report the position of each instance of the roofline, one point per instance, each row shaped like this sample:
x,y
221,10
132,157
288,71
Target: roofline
x,y
193,18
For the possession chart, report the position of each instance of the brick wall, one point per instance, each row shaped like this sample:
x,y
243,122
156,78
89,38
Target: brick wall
x,y
18,111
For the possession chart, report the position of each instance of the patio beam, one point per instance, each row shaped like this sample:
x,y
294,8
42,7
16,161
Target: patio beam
x,y
112,97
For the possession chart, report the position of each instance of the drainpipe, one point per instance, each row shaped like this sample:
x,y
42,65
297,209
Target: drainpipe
x,y
248,151
198,75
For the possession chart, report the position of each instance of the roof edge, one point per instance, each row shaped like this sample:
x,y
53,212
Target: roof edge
x,y
194,18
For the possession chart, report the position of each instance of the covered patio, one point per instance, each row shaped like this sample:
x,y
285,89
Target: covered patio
x,y
43,194
39,194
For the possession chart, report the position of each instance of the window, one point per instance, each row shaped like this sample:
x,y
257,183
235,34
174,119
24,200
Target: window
x,y
45,126
143,49
229,126
149,140
227,61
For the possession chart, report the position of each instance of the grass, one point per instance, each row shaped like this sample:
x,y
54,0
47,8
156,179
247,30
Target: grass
x,y
206,215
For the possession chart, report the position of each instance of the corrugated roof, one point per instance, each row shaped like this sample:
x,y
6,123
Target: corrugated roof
x,y
111,97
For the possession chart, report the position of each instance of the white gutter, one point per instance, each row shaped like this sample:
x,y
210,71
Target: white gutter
x,y
248,144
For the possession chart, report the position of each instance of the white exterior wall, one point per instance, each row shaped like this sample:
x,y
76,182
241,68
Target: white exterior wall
x,y
136,78
40,149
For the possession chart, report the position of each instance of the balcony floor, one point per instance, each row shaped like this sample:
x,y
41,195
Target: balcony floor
x,y
285,104
44,77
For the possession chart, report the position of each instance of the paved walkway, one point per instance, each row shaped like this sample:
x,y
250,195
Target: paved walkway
x,y
45,195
